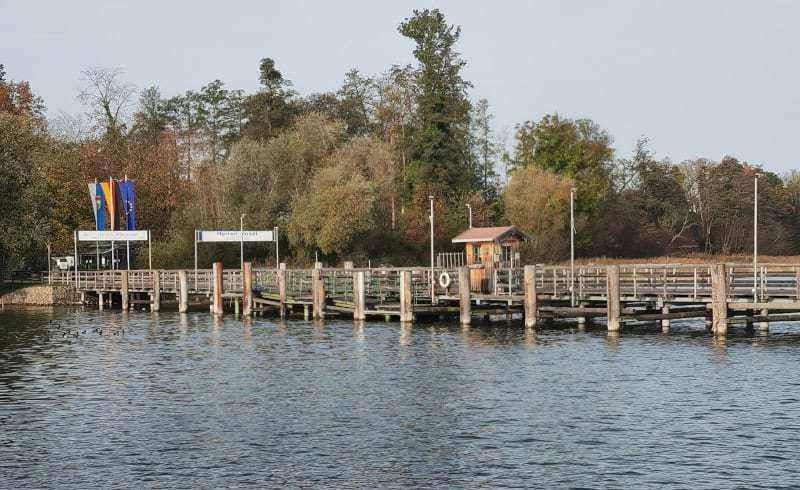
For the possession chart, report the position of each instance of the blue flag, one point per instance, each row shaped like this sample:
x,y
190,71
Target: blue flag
x,y
98,206
128,203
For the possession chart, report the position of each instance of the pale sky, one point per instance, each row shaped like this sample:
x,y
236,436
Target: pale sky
x,y
698,78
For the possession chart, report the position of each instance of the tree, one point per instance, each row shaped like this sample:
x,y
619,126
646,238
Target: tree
x,y
270,109
23,185
356,99
439,149
485,149
580,151
537,201
107,97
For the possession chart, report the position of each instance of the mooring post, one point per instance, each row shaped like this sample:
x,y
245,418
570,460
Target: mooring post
x,y
155,302
613,308
719,300
359,296
464,296
317,292
406,311
531,308
247,288
763,325
282,289
183,293
124,291
665,324
216,276
100,298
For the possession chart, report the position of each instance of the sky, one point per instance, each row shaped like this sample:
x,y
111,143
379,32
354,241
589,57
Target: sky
x,y
699,79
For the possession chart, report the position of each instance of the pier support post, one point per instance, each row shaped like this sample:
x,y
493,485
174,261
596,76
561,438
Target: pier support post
x,y
719,300
317,293
100,300
359,296
155,300
282,289
763,325
582,320
531,308
406,312
464,297
247,288
124,291
665,323
216,277
183,291
613,298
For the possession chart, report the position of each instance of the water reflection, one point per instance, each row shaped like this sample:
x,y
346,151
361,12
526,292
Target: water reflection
x,y
190,400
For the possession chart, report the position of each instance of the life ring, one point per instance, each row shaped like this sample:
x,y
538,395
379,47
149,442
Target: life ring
x,y
444,280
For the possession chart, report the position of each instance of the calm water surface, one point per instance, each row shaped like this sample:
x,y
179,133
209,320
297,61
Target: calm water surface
x,y
185,401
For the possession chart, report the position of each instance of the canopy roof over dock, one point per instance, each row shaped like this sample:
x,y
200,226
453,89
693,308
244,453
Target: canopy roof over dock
x,y
491,234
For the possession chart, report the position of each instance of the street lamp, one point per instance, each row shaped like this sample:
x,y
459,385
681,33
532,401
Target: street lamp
x,y
572,245
241,239
755,237
431,217
469,207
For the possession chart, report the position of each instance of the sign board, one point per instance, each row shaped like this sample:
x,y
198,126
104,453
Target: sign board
x,y
236,236
113,236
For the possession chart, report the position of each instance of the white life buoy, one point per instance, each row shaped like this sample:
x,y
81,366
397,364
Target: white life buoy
x,y
444,279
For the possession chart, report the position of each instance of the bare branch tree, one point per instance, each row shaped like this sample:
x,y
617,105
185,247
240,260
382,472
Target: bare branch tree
x,y
107,97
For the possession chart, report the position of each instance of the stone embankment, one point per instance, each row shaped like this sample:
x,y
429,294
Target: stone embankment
x,y
42,295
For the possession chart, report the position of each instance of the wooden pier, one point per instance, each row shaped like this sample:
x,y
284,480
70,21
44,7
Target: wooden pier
x,y
722,294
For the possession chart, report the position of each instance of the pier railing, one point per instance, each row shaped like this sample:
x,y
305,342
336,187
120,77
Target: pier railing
x,y
636,282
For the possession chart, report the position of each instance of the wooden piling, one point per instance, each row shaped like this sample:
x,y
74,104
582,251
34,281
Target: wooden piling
x,y
183,293
406,312
763,325
614,308
124,291
665,322
155,302
100,300
464,297
317,293
359,296
247,288
282,289
531,308
719,300
216,275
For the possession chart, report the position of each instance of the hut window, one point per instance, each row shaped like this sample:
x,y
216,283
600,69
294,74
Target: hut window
x,y
476,254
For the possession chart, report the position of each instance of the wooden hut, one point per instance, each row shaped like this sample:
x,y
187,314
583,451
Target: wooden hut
x,y
490,249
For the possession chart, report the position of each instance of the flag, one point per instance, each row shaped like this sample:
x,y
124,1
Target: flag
x,y
98,206
110,200
128,202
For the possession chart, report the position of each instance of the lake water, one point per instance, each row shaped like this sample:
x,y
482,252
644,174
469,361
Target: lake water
x,y
186,401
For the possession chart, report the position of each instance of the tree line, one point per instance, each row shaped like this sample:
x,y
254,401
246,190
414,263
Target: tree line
x,y
347,175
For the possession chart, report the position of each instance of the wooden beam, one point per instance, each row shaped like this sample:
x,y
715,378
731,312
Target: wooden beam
x,y
719,298
406,313
183,293
247,288
612,290
531,310
465,302
124,291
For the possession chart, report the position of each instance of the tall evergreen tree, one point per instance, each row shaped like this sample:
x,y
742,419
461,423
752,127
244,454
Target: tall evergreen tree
x,y
440,149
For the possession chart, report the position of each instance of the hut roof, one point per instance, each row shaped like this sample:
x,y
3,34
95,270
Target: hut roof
x,y
490,234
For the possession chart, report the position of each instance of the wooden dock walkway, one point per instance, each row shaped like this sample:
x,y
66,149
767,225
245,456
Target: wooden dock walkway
x,y
722,294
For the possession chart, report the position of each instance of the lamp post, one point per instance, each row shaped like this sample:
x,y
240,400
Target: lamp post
x,y
431,217
755,237
572,245
241,239
469,207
